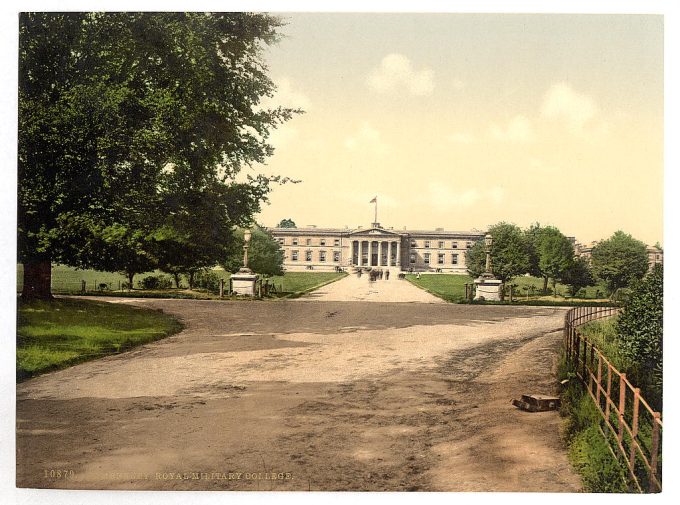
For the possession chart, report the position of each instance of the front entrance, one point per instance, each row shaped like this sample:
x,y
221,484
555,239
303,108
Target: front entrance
x,y
375,253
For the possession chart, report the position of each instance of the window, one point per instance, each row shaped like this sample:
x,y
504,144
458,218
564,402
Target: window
x,y
336,256
336,242
323,241
469,245
308,255
454,245
309,241
412,259
282,241
441,244
322,255
454,259
295,241
440,258
294,256
427,258
413,243
427,244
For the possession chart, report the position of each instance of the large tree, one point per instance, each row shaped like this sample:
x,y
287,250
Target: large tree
x,y
286,223
556,255
119,113
619,260
577,276
509,253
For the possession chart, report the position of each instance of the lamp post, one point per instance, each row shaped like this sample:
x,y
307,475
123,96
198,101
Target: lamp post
x,y
247,235
488,242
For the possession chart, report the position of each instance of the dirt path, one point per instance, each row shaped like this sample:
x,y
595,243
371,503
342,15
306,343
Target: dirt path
x,y
320,395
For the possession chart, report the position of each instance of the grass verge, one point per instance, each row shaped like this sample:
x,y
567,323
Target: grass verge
x,y
62,332
588,451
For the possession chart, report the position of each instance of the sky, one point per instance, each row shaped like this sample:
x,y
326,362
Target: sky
x,y
464,120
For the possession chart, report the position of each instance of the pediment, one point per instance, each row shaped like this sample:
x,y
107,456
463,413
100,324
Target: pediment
x,y
379,232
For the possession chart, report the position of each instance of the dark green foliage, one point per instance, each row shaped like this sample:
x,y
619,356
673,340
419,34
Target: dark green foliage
x,y
640,329
577,276
509,253
265,255
286,223
155,282
208,280
619,260
126,121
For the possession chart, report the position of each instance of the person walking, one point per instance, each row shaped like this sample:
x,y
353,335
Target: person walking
x,y
387,275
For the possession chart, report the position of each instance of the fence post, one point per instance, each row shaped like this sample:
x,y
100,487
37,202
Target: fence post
x,y
590,370
608,398
577,347
82,286
585,359
634,431
599,378
622,403
655,452
221,288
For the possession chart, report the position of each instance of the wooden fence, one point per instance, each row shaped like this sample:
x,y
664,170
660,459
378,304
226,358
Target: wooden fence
x,y
632,429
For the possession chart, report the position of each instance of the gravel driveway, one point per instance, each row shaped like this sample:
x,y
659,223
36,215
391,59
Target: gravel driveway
x,y
306,395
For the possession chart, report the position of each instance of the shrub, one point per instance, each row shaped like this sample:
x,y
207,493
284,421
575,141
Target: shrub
x,y
155,282
640,329
207,279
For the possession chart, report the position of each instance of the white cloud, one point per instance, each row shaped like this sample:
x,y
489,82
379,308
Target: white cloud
x,y
286,96
396,72
366,138
519,130
561,102
442,197
462,138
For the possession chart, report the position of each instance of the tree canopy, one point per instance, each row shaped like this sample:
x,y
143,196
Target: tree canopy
x,y
126,120
619,260
286,223
509,253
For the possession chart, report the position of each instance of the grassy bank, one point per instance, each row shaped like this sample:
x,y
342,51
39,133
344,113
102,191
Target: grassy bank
x,y
588,451
62,332
451,288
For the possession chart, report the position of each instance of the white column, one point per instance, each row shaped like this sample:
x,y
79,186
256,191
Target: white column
x,y
361,252
389,253
370,253
399,253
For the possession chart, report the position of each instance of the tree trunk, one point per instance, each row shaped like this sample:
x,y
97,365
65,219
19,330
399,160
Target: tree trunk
x,y
545,285
37,280
191,280
176,276
130,276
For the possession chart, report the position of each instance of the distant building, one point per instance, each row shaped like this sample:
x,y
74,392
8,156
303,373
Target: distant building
x,y
312,248
654,254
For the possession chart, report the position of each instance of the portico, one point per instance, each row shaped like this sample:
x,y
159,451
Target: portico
x,y
369,252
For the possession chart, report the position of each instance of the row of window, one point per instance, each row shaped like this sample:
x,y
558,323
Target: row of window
x,y
295,256
336,242
308,241
440,244
441,257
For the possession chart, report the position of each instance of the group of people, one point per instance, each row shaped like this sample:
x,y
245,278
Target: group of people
x,y
374,275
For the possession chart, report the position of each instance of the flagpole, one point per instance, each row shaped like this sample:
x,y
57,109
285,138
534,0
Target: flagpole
x,y
375,217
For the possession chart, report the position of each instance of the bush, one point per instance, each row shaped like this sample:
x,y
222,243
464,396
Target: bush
x,y
640,329
208,280
155,282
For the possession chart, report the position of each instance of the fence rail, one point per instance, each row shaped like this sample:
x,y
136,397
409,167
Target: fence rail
x,y
630,426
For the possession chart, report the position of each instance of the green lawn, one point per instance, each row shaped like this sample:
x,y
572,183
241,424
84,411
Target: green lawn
x,y
67,280
294,284
62,332
451,287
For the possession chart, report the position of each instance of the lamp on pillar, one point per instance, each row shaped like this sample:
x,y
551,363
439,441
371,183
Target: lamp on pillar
x,y
488,271
487,286
244,281
247,235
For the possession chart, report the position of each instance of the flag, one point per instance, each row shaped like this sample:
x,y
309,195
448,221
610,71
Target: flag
x,y
375,200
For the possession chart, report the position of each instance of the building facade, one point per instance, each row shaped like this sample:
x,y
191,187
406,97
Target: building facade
x,y
328,249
